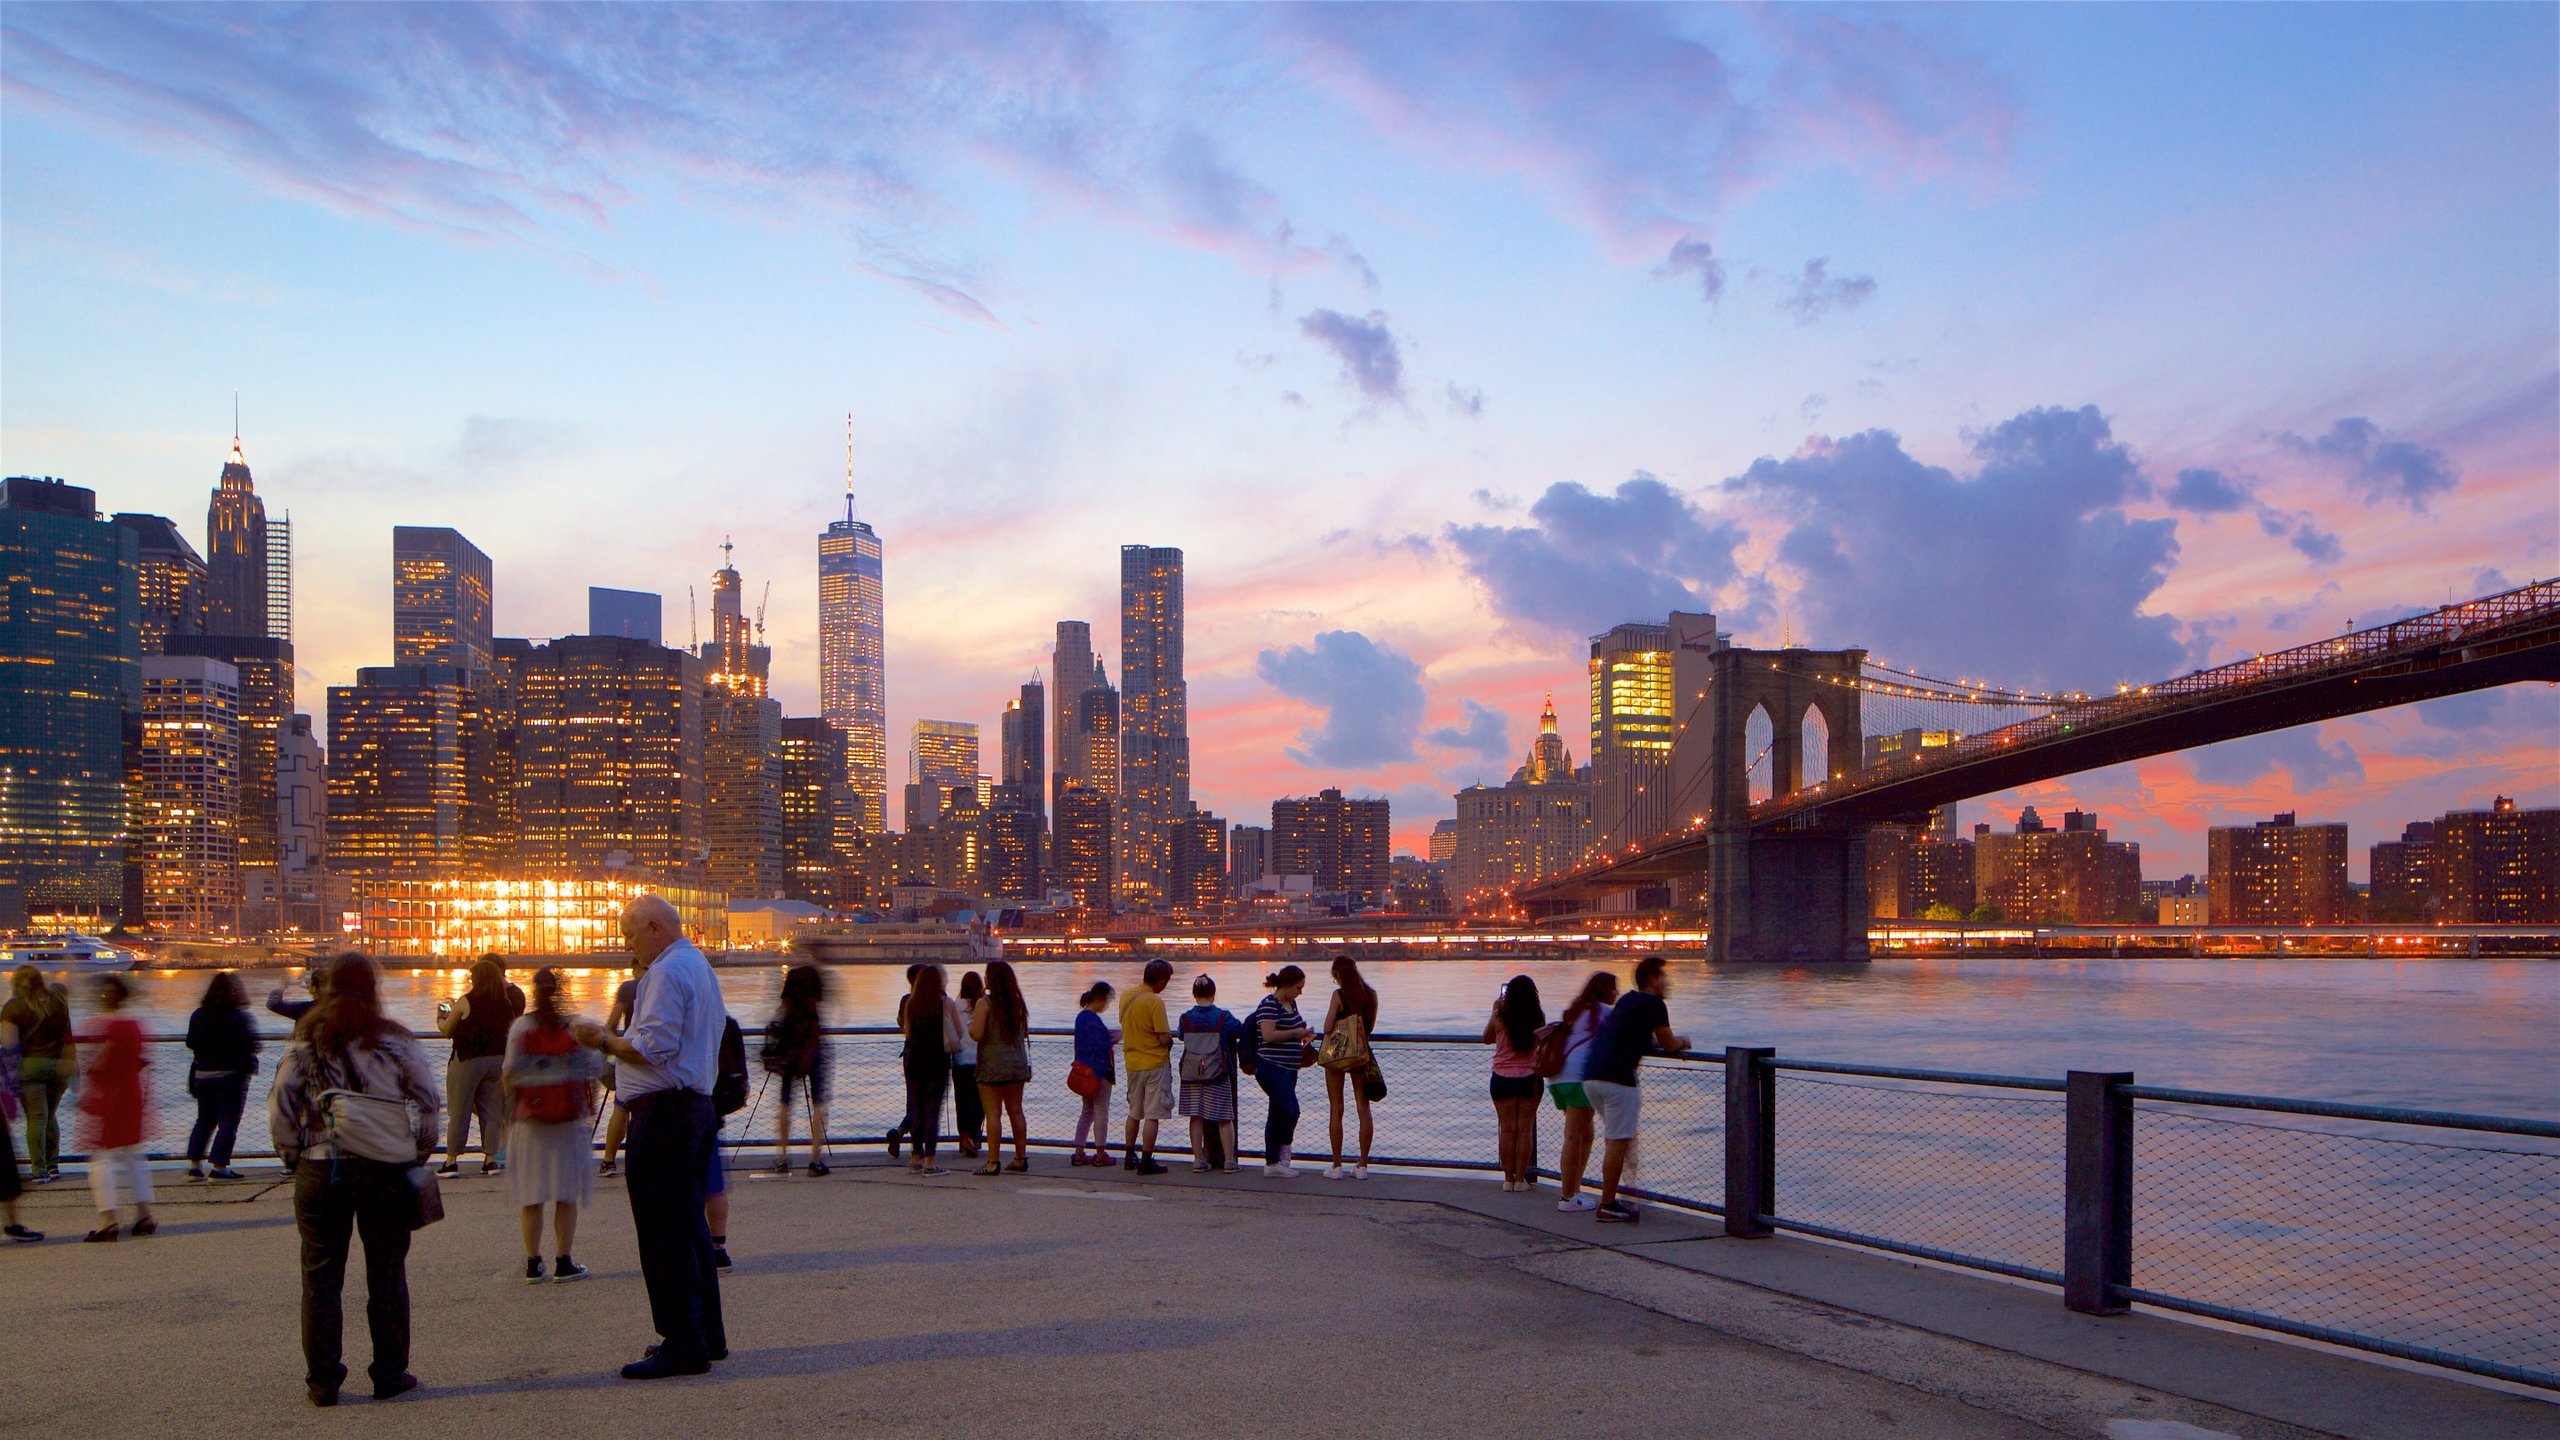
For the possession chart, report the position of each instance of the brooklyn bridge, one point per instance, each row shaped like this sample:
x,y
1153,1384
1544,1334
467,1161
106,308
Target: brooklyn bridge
x,y
1777,868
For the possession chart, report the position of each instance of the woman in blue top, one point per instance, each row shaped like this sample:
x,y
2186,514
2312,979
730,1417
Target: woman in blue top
x,y
1208,1058
1093,1051
1282,1054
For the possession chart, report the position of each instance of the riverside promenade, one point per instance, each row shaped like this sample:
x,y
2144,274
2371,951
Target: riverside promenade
x,y
1077,1303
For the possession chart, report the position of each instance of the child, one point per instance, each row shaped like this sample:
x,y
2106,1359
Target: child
x,y
1094,1039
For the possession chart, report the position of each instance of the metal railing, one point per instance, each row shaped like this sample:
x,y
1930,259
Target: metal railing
x,y
2426,1236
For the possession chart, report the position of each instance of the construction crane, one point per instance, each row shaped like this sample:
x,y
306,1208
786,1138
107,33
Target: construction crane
x,y
761,601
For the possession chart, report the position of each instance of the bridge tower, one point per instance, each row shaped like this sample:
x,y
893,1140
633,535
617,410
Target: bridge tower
x,y
1795,894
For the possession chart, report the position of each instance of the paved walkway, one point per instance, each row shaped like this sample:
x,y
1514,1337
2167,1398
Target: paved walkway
x,y
1080,1304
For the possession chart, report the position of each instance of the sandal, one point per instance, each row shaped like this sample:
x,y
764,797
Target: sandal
x,y
1020,1167
104,1234
145,1226
990,1168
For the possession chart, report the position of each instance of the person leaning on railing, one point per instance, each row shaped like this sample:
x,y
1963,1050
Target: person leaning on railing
x,y
1640,1023
37,1020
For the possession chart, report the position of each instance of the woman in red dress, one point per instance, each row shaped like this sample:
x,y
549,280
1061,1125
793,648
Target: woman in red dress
x,y
111,1107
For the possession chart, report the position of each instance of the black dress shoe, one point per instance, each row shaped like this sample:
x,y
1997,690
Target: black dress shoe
x,y
397,1385
659,1367
715,1353
323,1396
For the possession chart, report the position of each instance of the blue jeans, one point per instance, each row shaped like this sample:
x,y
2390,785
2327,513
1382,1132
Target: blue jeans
x,y
1279,1123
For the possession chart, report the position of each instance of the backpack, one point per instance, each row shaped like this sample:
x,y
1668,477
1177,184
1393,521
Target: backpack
x,y
1249,1046
1346,1046
1204,1055
550,1096
1546,1057
729,1091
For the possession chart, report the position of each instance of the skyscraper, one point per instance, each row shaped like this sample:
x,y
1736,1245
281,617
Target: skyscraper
x,y
69,643
1025,751
1341,843
170,580
1071,672
261,669
396,773
188,810
1248,856
1084,839
302,823
1196,882
852,684
441,590
235,527
280,578
813,784
2499,866
1155,734
629,614
942,755
1510,835
609,758
1632,726
742,740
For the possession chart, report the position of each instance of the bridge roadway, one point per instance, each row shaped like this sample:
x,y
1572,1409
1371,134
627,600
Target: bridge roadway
x,y
1077,1303
2509,638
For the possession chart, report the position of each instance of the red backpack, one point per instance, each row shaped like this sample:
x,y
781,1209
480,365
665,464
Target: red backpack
x,y
547,1050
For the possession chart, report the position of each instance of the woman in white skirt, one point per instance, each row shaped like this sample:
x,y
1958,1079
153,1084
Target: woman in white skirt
x,y
549,1080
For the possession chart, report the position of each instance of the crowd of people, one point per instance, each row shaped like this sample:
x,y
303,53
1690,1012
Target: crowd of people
x,y
357,1109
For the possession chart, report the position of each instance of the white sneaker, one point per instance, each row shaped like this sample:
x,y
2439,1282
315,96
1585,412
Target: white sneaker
x,y
1333,1172
1361,1173
1282,1171
1577,1202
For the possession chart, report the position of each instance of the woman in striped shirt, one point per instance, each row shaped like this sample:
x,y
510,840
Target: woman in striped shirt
x,y
1276,1065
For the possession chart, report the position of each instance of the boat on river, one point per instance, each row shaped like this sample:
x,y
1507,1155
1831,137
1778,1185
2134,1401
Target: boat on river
x,y
894,942
85,953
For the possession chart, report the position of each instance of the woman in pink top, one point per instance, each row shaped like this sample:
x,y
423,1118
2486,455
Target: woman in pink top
x,y
111,1105
1512,1031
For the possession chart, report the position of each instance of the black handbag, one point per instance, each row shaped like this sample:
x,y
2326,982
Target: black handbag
x,y
1373,1081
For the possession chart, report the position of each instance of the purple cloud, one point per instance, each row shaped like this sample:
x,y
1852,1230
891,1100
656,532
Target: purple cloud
x,y
1817,292
1694,257
2298,752
2208,492
1466,400
1487,733
1371,360
1587,561
2379,469
1371,696
2211,492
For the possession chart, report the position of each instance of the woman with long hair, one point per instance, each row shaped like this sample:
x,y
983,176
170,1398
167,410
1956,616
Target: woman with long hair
x,y
112,1103
964,1067
1002,1027
799,1049
1582,1021
549,1080
345,1043
1353,1012
225,1048
932,1026
37,1022
478,1023
1512,1031
1282,1053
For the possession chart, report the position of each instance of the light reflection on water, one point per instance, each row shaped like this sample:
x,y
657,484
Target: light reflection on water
x,y
2467,1035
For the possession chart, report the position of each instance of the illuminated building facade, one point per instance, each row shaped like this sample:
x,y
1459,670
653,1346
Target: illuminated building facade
x,y
459,919
169,581
1014,870
1072,671
811,758
69,646
188,811
1536,826
441,598
1341,843
396,773
2074,875
1912,869
2499,866
1632,727
1025,747
942,758
609,759
1444,842
1197,884
1084,838
302,828
235,526
1248,857
280,578
2276,872
263,671
742,744
1155,726
852,684
2404,883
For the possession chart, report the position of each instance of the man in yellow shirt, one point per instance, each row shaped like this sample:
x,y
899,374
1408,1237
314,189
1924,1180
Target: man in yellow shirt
x,y
1146,1042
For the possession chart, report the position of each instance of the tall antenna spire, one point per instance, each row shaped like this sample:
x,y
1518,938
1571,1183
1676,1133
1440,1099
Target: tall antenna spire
x,y
848,465
235,419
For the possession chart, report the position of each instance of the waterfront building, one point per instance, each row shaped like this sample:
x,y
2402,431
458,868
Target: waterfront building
x,y
2276,872
1632,728
1012,828
1417,886
2185,911
1444,841
70,628
609,760
1025,743
457,919
187,809
396,773
811,756
1084,839
1197,873
942,761
302,829
2073,876
626,614
742,740
262,669
2403,875
490,735
852,683
1072,671
1248,857
1155,733
235,527
1913,870
442,591
2499,866
1539,824
1341,843
170,581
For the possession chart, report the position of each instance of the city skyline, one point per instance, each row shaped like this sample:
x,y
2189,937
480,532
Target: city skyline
x,y
1400,529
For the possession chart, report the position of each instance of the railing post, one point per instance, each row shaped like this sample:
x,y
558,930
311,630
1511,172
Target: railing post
x,y
2097,1192
1750,1140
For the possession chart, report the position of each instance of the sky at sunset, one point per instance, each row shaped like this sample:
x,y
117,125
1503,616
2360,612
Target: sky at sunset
x,y
2059,345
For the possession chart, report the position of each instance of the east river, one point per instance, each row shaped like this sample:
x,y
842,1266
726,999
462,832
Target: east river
x,y
2469,1035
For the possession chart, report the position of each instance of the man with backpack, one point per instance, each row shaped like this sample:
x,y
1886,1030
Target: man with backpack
x,y
670,1066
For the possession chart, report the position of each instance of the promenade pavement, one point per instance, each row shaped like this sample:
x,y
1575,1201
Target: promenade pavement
x,y
1079,1303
